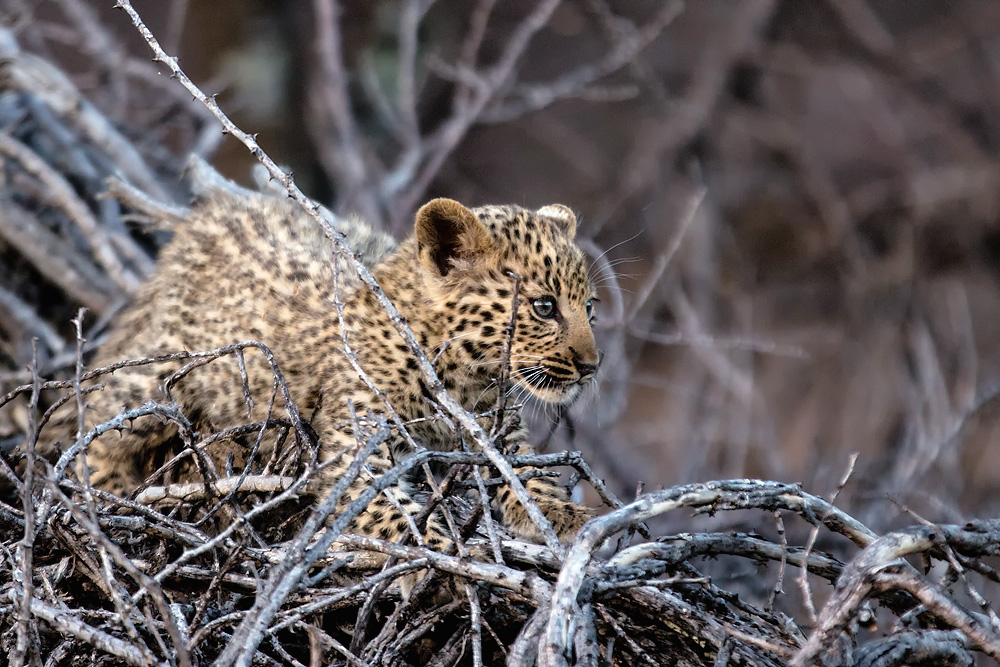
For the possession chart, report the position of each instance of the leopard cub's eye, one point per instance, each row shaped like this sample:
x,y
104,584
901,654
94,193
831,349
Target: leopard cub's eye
x,y
590,309
544,306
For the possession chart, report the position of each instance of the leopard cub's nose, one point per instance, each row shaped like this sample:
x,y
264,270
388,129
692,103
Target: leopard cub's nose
x,y
586,370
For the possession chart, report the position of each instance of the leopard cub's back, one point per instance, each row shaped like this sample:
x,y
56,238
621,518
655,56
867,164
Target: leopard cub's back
x,y
238,268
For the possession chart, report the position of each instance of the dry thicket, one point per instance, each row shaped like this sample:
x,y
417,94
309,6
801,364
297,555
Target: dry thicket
x,y
775,230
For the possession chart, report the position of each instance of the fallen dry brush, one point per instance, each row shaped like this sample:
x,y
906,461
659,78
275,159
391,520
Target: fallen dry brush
x,y
171,579
173,574
243,566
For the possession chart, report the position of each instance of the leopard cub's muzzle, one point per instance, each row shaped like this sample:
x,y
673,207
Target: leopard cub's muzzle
x,y
587,369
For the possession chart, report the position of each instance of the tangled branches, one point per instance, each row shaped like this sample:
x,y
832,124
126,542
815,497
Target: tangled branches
x,y
172,581
173,578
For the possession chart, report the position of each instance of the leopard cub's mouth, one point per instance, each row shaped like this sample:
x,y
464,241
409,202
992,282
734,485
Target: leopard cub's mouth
x,y
549,387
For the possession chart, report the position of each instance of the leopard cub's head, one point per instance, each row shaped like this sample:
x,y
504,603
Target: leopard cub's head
x,y
471,260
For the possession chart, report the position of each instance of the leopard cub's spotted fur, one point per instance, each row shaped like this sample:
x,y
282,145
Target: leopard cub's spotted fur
x,y
258,268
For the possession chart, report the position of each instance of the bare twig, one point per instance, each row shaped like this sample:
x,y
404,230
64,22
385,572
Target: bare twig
x,y
25,550
468,110
803,578
580,81
222,487
664,258
345,162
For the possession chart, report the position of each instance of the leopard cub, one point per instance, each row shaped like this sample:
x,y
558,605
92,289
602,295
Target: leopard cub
x,y
257,268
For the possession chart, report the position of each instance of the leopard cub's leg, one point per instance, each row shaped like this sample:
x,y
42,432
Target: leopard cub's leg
x,y
566,516
383,518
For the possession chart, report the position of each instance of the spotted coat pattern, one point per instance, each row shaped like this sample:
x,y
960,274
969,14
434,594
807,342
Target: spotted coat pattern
x,y
258,268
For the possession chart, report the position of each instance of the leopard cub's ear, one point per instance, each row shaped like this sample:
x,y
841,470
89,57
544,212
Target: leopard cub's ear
x,y
447,233
562,216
